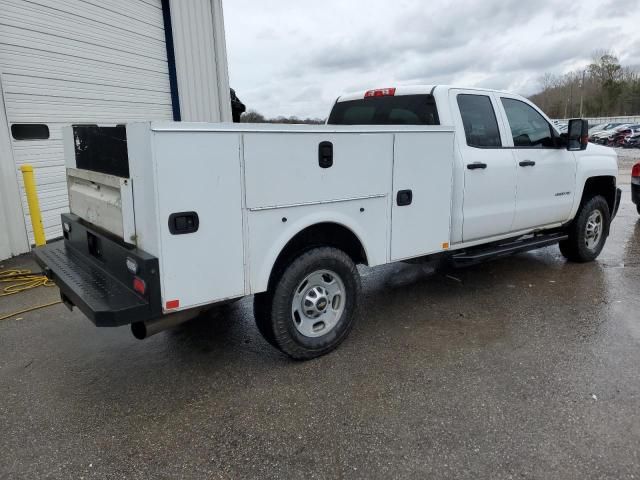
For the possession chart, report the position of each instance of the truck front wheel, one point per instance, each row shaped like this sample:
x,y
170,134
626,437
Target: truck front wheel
x,y
588,232
311,307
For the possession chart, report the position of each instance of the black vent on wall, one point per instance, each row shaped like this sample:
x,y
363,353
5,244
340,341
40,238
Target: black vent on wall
x,y
29,131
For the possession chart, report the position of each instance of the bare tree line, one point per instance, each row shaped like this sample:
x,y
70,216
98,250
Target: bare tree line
x,y
254,117
603,88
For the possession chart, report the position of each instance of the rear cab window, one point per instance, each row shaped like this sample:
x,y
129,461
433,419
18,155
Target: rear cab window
x,y
479,120
386,110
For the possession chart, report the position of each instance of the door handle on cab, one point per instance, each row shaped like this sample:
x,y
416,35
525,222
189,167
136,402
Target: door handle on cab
x,y
528,163
476,166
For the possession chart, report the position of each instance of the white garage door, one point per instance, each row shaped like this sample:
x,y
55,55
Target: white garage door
x,y
77,61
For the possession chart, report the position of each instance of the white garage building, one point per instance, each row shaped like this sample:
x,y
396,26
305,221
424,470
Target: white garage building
x,y
64,62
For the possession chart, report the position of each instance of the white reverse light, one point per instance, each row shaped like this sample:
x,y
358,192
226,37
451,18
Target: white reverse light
x,y
132,265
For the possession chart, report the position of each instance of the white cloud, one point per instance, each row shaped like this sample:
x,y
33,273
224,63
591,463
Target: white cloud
x,y
294,57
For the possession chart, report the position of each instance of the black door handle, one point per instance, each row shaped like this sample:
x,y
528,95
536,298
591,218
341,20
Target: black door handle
x,y
477,166
325,154
528,163
183,223
404,198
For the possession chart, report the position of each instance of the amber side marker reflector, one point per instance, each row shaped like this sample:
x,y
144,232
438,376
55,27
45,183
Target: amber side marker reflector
x,y
445,246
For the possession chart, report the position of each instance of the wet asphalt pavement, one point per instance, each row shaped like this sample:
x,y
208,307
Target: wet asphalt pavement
x,y
527,367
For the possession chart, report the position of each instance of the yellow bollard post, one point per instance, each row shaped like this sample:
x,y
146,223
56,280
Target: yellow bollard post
x,y
34,204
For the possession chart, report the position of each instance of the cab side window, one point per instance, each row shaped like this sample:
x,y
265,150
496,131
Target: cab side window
x,y
528,128
479,120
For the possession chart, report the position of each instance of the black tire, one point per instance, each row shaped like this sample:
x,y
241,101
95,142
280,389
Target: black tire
x,y
575,248
638,209
566,249
273,309
262,316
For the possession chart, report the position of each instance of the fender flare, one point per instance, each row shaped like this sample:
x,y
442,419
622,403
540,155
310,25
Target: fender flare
x,y
260,278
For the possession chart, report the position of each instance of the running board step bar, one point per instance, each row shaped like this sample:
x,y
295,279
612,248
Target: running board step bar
x,y
483,253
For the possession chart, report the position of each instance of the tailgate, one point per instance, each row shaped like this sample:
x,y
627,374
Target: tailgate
x,y
100,190
96,273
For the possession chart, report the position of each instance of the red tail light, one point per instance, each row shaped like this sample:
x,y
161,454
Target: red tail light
x,y
635,171
139,285
380,92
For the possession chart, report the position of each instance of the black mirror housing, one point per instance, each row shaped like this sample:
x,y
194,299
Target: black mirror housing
x,y
577,135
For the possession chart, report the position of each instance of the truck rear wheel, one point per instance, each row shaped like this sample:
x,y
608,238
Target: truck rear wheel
x,y
588,232
311,307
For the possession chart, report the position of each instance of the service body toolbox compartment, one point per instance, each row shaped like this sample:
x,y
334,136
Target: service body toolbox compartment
x,y
214,206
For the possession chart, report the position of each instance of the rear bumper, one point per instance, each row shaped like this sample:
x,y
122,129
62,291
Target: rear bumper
x,y
635,192
101,285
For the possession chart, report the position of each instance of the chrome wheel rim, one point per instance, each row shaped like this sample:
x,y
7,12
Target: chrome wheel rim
x,y
318,303
594,230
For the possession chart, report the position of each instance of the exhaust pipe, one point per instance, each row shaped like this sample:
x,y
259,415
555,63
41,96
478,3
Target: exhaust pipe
x,y
142,330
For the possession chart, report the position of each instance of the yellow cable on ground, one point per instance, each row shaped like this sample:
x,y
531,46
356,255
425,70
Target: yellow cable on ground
x,y
31,309
21,281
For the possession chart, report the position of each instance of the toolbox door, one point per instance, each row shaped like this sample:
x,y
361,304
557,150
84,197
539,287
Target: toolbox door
x,y
422,188
199,196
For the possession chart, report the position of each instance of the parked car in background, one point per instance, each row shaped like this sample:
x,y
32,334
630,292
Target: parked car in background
x,y
632,141
606,137
635,185
620,137
596,128
603,127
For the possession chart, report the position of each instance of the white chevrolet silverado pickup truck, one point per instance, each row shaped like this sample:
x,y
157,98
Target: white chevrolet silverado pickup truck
x,y
169,219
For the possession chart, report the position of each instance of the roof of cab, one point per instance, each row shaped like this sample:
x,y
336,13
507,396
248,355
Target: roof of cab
x,y
412,90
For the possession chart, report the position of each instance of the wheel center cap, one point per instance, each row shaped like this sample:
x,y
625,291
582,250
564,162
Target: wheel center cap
x,y
322,304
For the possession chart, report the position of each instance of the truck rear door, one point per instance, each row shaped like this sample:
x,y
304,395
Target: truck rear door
x,y
98,178
489,169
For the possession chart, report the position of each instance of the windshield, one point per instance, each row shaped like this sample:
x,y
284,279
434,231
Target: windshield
x,y
389,110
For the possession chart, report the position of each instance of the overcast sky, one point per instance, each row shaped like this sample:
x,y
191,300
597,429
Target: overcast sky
x,y
294,57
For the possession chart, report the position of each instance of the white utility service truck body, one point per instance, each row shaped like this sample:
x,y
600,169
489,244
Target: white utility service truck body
x,y
176,217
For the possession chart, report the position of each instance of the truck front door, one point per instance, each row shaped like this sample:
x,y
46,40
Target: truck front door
x,y
546,171
489,170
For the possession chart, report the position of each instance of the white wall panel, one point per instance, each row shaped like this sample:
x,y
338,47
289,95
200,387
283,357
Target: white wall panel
x,y
77,61
13,235
201,60
91,61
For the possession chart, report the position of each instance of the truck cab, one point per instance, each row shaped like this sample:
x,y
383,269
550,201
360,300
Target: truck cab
x,y
512,170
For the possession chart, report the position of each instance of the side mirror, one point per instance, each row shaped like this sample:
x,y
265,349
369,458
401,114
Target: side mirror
x,y
577,135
